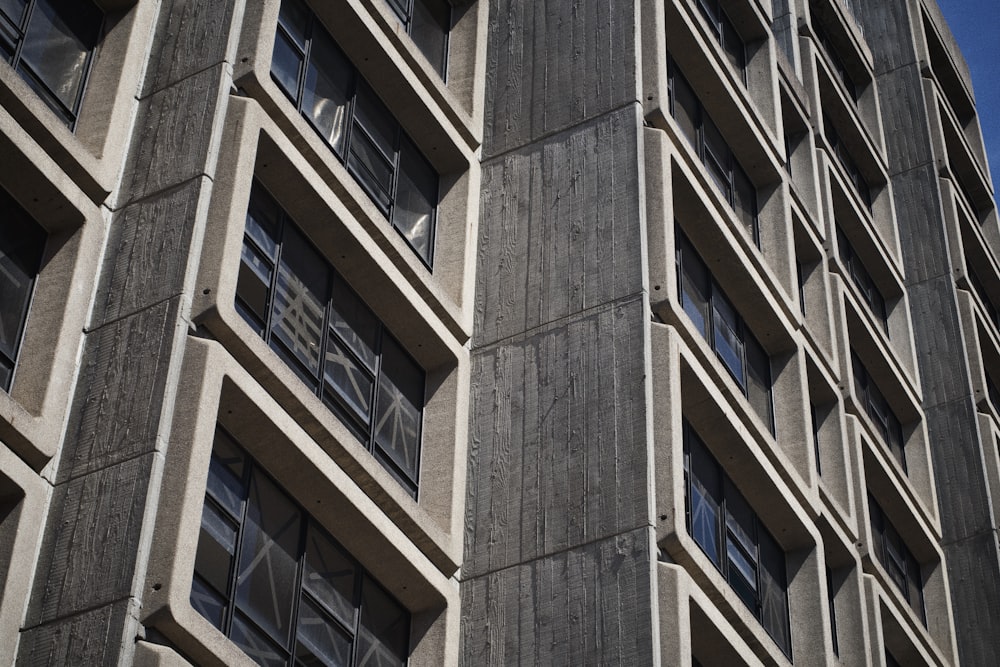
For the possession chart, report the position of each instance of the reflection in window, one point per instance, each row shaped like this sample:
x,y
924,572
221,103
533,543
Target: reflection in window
x,y
21,244
427,22
343,109
884,419
50,43
313,320
705,137
897,559
275,582
721,326
727,529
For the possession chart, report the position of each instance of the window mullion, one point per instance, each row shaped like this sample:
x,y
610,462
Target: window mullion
x,y
279,247
376,388
227,621
293,627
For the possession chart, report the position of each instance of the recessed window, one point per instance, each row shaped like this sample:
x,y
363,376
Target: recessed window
x,y
870,293
832,609
51,43
277,584
428,23
834,59
308,314
851,171
725,34
727,529
21,244
705,137
897,559
345,111
725,331
883,418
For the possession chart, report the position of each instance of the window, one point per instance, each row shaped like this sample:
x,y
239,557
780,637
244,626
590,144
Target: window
x,y
897,559
726,172
870,292
836,63
725,33
275,582
340,105
851,170
21,244
313,320
427,22
874,403
984,296
732,536
832,608
815,423
724,330
51,43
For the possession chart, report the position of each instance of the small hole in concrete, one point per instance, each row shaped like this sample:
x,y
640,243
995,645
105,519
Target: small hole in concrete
x,y
663,517
157,587
657,288
206,291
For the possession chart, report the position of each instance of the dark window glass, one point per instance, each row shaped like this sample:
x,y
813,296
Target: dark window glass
x,y
316,323
717,320
428,23
296,597
984,296
835,61
869,291
21,244
754,563
722,166
846,160
343,109
832,609
897,559
50,43
883,418
725,33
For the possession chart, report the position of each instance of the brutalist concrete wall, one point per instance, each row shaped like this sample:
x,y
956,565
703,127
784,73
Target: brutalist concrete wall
x,y
969,531
559,546
85,601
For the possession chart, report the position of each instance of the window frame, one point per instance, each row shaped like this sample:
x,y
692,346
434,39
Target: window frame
x,y
404,11
728,165
351,128
848,164
870,292
244,532
721,26
318,380
725,538
887,424
904,564
686,255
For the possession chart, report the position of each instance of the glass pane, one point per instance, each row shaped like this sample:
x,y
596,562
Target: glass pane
x,y
216,548
207,602
695,286
300,300
372,170
253,285
255,645
400,403
6,372
225,474
728,344
294,18
416,199
759,381
265,588
330,576
384,633
431,22
741,521
263,221
286,65
745,202
686,108
372,115
21,245
13,9
706,500
774,596
319,640
59,36
733,45
351,382
353,323
329,77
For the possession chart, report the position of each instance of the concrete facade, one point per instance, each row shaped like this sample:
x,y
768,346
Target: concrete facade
x,y
834,395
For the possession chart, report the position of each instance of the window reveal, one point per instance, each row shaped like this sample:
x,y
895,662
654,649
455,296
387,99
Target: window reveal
x,y
877,408
726,34
899,562
870,293
727,529
344,110
324,332
275,582
51,44
428,23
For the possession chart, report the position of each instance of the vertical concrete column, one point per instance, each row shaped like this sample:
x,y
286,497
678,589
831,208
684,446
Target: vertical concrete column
x,y
559,546
85,597
969,532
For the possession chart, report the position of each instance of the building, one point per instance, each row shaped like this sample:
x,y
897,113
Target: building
x,y
495,332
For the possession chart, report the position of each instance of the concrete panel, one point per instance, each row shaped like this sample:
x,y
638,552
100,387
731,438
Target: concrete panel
x,y
974,578
91,638
585,606
905,148
560,227
558,443
554,64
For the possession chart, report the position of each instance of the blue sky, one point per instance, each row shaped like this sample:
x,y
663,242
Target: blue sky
x,y
976,26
